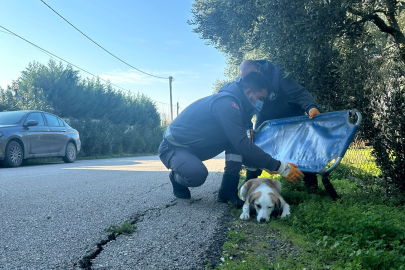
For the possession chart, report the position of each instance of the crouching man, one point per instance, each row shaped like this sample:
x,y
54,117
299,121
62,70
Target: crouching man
x,y
215,124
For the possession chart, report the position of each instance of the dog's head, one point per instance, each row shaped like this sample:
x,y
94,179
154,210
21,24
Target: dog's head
x,y
265,204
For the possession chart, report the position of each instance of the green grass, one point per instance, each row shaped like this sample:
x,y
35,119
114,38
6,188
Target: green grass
x,y
124,228
362,230
360,163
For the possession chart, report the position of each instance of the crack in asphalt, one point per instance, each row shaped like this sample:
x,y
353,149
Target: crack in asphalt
x,y
86,261
212,254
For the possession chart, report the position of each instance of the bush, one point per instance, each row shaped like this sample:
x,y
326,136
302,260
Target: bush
x,y
102,137
352,233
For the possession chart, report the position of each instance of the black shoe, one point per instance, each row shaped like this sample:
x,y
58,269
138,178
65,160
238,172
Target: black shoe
x,y
179,190
228,192
237,202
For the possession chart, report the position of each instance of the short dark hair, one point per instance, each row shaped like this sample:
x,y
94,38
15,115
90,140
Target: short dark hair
x,y
248,66
255,81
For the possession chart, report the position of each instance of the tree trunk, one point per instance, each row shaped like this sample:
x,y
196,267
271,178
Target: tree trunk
x,y
392,28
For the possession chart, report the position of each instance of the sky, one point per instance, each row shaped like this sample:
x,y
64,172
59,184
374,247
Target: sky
x,y
152,36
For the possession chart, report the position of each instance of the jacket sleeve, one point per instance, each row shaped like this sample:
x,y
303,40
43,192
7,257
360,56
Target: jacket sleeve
x,y
294,92
297,94
229,116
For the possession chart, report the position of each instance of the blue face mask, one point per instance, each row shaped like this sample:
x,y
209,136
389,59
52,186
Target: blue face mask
x,y
258,106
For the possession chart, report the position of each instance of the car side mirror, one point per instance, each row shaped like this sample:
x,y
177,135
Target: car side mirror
x,y
31,123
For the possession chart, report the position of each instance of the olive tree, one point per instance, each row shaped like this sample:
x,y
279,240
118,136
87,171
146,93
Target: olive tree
x,y
348,54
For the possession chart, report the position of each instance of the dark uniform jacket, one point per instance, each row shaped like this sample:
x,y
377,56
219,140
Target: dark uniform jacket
x,y
219,119
286,98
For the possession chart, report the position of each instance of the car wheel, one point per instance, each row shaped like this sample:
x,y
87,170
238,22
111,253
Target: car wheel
x,y
71,152
14,154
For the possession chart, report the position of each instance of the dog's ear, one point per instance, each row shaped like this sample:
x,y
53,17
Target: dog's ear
x,y
277,203
247,185
244,189
253,197
274,184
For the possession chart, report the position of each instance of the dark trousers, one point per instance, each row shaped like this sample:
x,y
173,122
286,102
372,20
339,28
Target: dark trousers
x,y
187,163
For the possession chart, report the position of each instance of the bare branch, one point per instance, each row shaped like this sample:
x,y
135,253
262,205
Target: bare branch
x,y
392,29
374,18
391,5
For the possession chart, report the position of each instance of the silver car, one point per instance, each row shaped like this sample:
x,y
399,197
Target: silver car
x,y
36,134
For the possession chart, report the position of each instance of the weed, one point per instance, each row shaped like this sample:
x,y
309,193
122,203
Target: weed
x,y
125,228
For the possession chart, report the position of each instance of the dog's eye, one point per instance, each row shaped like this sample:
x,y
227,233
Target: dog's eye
x,y
258,206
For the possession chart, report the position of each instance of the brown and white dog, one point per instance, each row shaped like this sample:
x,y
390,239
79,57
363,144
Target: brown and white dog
x,y
263,195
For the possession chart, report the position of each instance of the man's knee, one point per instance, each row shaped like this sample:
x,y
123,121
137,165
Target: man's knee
x,y
192,176
165,154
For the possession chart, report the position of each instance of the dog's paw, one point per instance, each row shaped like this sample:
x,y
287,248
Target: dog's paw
x,y
286,211
244,216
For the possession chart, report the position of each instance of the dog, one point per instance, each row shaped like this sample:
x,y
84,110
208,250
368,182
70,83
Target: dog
x,y
263,195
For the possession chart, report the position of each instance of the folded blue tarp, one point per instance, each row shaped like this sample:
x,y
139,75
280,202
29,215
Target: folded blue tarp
x,y
310,143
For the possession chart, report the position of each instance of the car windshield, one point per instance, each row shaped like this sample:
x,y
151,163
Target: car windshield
x,y
11,118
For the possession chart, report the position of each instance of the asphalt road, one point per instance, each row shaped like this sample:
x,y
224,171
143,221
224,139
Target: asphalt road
x,y
54,216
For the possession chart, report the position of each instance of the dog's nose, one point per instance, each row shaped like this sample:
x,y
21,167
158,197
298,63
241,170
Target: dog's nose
x,y
262,220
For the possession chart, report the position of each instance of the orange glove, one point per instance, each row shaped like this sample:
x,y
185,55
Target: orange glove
x,y
290,172
313,112
295,175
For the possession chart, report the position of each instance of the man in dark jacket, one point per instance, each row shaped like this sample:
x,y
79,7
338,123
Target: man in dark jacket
x,y
286,98
215,124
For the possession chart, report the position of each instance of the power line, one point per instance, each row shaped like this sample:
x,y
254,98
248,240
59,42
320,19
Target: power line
x,y
61,58
5,32
101,46
49,53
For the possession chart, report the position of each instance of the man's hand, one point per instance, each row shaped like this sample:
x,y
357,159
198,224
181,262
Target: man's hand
x,y
295,175
290,172
313,112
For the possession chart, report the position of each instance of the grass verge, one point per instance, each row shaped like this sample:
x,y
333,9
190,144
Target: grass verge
x,y
362,230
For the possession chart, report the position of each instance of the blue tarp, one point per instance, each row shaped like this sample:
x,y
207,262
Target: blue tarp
x,y
309,143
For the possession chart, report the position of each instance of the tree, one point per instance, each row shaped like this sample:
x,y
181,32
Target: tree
x,y
7,100
386,15
347,53
59,89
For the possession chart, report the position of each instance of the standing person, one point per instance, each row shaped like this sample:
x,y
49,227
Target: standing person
x,y
215,124
285,99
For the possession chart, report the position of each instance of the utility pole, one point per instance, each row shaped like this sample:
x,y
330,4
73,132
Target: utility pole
x,y
171,104
16,86
177,108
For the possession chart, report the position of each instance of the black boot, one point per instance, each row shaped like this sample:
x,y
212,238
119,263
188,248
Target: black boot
x,y
179,190
311,180
228,192
252,174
